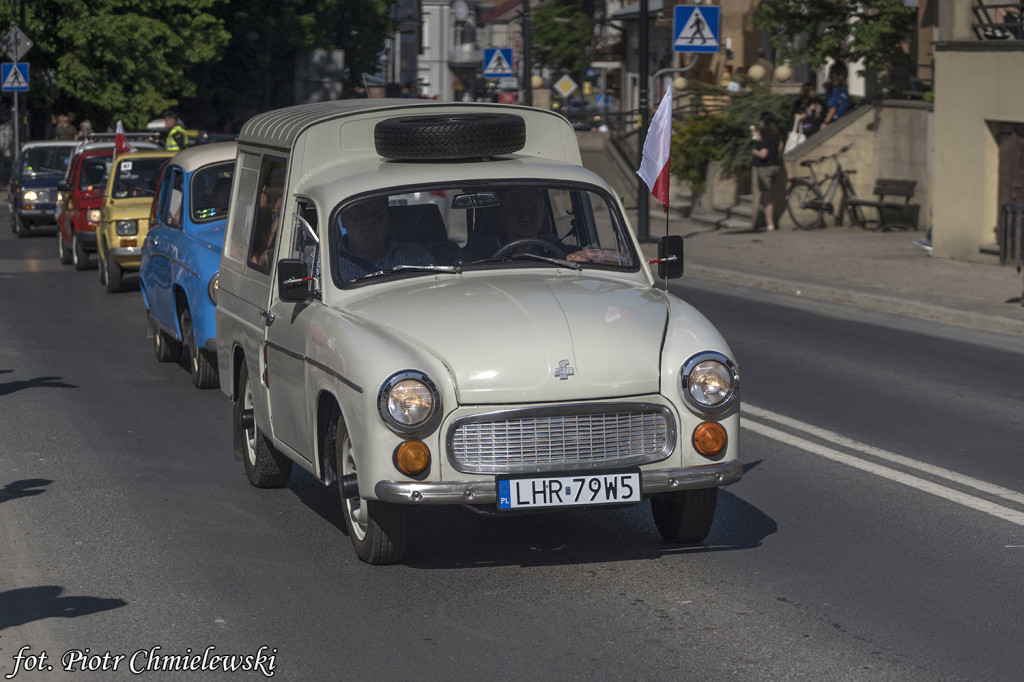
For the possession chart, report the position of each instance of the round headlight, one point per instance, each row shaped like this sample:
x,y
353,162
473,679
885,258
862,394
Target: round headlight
x,y
126,227
710,381
31,195
94,215
408,402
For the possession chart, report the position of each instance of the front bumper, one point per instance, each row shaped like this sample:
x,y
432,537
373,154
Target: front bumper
x,y
39,213
128,257
486,492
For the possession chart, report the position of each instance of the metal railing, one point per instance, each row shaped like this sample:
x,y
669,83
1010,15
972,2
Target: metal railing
x,y
997,20
1011,237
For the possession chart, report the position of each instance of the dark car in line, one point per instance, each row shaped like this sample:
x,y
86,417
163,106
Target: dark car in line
x,y
38,169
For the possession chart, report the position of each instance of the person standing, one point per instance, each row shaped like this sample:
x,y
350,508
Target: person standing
x,y
838,94
6,148
177,138
64,131
766,164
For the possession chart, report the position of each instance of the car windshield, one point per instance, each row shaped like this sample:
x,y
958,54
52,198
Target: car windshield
x,y
46,159
476,226
211,189
137,177
95,170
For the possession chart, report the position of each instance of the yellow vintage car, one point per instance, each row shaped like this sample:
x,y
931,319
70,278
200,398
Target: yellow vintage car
x,y
127,202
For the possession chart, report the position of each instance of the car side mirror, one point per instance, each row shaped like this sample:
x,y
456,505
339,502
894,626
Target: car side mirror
x,y
670,257
293,280
63,187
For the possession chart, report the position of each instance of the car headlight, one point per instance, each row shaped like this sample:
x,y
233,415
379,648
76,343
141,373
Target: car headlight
x,y
710,382
126,227
408,402
94,215
33,195
212,286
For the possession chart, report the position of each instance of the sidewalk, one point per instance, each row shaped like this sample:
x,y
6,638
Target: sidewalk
x,y
878,270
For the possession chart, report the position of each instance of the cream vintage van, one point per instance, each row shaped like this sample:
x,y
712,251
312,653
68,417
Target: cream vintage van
x,y
435,303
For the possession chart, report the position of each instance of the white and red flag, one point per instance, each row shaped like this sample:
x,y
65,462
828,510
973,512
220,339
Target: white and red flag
x,y
121,145
654,167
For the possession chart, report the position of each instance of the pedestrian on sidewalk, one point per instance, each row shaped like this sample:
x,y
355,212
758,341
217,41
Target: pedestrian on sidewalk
x,y
766,163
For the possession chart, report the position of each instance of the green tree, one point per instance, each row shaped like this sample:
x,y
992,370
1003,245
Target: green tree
x,y
561,34
119,59
257,72
869,30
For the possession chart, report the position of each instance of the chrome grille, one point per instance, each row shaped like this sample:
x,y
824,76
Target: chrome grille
x,y
531,440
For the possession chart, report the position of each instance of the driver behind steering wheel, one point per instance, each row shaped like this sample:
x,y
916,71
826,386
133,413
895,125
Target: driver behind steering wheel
x,y
521,217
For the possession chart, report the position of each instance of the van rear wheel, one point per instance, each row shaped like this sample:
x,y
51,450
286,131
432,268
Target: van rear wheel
x,y
265,467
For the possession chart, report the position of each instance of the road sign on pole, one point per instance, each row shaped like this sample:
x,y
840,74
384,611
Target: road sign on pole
x,y
696,28
14,77
498,62
15,43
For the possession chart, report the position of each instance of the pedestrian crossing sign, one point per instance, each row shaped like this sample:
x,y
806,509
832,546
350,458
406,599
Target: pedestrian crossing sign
x,y
14,76
498,62
696,28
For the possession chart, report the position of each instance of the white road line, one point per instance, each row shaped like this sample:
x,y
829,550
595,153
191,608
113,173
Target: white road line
x,y
885,472
843,441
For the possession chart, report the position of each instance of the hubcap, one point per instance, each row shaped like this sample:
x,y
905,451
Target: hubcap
x,y
250,434
355,507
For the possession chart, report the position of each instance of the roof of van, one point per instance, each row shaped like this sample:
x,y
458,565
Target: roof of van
x,y
281,128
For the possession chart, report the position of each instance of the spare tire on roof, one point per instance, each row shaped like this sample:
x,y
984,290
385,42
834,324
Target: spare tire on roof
x,y
459,136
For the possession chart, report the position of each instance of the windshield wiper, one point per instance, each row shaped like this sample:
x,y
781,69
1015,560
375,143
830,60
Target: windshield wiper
x,y
532,256
413,268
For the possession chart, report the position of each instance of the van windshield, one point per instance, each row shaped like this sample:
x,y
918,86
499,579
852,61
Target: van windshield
x,y
478,225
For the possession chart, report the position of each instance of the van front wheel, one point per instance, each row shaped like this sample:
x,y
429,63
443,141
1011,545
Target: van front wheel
x,y
378,530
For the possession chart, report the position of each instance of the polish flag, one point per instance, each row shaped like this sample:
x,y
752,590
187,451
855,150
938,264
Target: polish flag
x,y
654,167
121,145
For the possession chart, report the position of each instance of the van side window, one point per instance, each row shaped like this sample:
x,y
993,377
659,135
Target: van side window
x,y
304,245
268,214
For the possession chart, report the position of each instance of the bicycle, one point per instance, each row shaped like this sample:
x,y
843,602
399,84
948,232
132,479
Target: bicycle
x,y
807,204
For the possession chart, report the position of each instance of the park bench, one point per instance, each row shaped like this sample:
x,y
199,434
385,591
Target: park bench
x,y
892,213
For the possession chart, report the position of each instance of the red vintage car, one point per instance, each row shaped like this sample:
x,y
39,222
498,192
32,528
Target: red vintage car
x,y
79,210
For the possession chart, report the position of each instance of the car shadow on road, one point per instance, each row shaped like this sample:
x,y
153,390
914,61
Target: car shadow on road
x,y
451,537
29,604
9,387
24,488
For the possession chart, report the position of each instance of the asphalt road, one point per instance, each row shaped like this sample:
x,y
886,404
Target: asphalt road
x,y
878,532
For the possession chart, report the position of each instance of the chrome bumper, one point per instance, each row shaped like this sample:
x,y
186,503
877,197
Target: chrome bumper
x,y
485,492
126,252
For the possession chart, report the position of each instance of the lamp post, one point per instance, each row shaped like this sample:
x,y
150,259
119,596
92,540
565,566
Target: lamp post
x,y
527,65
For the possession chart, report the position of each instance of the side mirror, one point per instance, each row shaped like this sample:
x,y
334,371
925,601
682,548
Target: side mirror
x,y
670,257
63,187
292,280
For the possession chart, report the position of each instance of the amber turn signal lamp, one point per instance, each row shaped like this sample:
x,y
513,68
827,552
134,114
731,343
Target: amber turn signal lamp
x,y
709,438
412,457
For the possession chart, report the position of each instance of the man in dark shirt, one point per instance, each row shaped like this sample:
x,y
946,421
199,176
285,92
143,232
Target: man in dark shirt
x,y
766,161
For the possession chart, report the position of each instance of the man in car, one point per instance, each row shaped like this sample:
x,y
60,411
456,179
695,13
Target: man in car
x,y
521,217
366,245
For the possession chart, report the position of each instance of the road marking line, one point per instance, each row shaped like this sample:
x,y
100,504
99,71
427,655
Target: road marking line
x,y
845,442
892,474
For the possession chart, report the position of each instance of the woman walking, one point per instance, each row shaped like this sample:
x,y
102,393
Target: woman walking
x,y
766,161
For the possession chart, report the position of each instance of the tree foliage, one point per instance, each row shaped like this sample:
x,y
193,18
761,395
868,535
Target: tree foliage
x,y
817,30
561,33
214,60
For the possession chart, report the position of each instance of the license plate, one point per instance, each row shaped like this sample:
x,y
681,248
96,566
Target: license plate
x,y
570,490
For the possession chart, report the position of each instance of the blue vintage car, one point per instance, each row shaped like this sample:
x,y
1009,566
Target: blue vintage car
x,y
181,257
33,192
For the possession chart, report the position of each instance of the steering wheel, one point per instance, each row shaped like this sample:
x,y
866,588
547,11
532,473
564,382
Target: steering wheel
x,y
529,241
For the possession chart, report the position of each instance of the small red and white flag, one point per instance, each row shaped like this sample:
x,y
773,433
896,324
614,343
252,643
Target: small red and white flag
x,y
121,145
654,167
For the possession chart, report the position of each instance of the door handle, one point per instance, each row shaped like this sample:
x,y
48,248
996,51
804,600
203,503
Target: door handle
x,y
270,317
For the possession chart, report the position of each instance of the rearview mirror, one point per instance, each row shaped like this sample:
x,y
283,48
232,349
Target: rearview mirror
x,y
670,257
292,280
